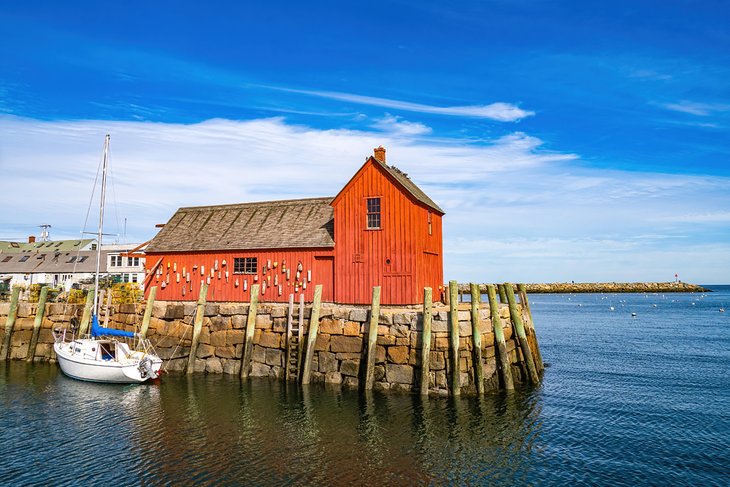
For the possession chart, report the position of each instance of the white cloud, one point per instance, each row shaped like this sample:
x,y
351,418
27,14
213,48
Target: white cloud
x,y
499,111
697,108
514,210
396,125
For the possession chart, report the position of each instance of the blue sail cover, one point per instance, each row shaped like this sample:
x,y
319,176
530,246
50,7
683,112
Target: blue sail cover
x,y
97,330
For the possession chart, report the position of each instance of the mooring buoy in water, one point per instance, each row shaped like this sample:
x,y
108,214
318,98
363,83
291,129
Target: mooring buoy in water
x,y
633,315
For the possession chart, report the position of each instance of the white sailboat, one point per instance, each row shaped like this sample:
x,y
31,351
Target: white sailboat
x,y
106,355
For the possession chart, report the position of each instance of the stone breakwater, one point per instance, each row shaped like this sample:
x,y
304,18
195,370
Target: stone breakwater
x,y
339,354
609,287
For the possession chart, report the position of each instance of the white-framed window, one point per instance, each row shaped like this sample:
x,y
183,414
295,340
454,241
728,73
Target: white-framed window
x,y
373,212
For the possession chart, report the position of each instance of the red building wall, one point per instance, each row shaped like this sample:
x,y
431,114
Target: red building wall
x,y
174,268
401,257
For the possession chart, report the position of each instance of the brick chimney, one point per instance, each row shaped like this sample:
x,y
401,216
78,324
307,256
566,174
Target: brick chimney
x,y
31,239
379,153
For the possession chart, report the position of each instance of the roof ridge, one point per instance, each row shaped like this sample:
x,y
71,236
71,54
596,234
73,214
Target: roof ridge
x,y
258,203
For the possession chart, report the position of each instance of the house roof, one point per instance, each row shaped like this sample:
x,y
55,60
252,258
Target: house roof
x,y
50,246
408,185
400,178
302,223
51,262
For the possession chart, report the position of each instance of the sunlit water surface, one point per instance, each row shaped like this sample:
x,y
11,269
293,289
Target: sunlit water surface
x,y
625,401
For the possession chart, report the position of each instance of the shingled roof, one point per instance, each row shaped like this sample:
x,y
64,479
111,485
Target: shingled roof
x,y
303,223
408,185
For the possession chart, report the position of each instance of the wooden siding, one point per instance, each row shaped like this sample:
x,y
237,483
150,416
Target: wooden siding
x,y
222,288
401,256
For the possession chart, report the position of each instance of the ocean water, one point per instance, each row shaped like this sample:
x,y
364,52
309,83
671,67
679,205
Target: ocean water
x,y
625,400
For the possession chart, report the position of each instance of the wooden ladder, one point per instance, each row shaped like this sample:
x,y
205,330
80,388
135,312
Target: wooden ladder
x,y
294,345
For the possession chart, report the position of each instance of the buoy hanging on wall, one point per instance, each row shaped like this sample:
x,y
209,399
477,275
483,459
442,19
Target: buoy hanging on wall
x,y
304,285
224,263
226,276
299,267
202,270
215,266
245,284
256,278
276,264
236,283
187,277
279,290
263,288
174,266
207,280
276,279
183,291
212,273
268,263
219,274
163,285
177,277
298,275
309,276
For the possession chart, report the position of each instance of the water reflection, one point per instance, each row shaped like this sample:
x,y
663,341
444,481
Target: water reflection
x,y
216,430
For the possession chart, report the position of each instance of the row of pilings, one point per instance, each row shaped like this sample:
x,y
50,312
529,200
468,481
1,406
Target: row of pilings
x,y
491,341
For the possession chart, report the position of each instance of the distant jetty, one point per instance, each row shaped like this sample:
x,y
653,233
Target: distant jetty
x,y
615,287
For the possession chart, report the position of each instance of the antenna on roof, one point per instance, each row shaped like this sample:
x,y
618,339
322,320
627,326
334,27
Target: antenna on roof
x,y
44,232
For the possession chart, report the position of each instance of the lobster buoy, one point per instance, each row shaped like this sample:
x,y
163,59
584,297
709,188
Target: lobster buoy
x,y
223,264
245,284
236,283
309,276
263,288
177,277
215,266
299,267
202,270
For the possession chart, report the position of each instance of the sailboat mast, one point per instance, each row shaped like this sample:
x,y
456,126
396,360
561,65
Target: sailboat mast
x,y
101,223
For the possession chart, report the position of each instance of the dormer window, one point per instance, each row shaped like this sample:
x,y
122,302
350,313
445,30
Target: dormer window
x,y
373,213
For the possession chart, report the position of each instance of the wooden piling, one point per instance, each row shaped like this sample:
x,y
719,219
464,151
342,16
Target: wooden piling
x,y
86,317
521,289
289,322
247,354
522,337
10,323
312,334
502,295
426,339
476,337
300,342
372,339
37,323
197,327
504,362
148,312
454,338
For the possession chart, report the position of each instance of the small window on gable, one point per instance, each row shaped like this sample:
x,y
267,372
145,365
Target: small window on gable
x,y
245,265
373,213
430,228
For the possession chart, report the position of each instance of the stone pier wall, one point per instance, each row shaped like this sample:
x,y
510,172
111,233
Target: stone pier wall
x,y
340,348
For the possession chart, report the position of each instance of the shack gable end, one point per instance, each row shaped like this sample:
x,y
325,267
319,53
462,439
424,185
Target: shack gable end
x,y
401,255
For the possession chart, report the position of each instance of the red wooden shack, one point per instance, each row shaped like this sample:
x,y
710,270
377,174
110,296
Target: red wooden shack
x,y
380,230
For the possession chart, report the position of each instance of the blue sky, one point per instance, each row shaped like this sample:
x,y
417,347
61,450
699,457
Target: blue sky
x,y
565,140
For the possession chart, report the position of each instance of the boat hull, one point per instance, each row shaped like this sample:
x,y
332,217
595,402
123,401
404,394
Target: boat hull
x,y
79,367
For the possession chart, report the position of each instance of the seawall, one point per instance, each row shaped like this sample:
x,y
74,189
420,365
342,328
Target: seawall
x,y
340,348
608,287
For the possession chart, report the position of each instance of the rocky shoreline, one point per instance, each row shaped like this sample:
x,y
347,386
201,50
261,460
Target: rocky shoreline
x,y
615,287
